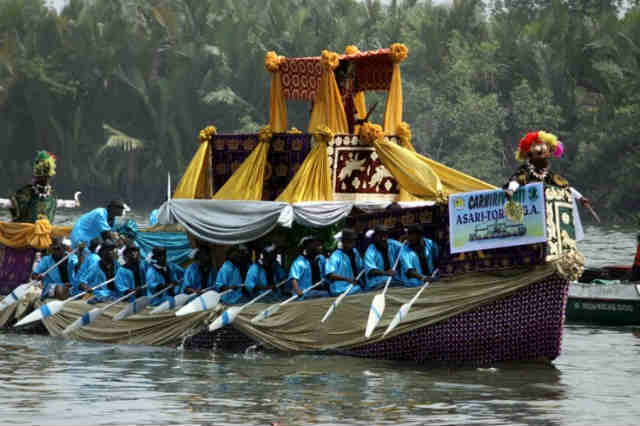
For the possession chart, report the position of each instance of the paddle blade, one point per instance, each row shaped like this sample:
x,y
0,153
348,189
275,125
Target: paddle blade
x,y
399,316
226,318
86,319
201,303
17,294
266,313
132,308
45,311
375,313
172,303
335,303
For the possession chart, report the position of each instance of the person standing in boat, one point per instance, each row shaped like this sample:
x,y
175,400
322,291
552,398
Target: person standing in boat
x,y
264,274
230,277
57,282
417,260
306,269
380,258
39,198
104,270
200,274
161,274
344,264
95,222
132,275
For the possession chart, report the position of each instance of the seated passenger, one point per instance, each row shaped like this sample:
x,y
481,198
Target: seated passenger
x,y
229,276
265,274
58,282
200,274
344,265
161,275
416,262
305,270
380,258
87,257
132,275
105,269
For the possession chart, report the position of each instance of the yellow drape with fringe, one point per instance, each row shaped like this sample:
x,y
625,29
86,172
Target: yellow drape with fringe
x,y
247,181
277,105
37,235
312,181
195,182
393,109
403,195
328,109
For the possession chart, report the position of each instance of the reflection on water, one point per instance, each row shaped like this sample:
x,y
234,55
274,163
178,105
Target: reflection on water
x,y
596,380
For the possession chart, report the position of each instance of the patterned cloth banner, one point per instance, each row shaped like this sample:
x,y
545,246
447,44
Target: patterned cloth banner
x,y
15,267
358,173
477,219
288,151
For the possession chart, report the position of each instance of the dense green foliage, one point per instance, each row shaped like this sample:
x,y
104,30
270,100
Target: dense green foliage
x,y
119,89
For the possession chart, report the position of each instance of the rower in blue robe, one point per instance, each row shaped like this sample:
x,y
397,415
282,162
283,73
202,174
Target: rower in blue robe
x,y
265,274
160,275
132,275
380,258
344,264
59,281
305,270
87,259
229,276
92,224
105,269
200,274
417,259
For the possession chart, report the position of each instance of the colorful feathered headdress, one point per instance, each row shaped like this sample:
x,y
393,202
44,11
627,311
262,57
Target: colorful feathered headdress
x,y
44,164
533,138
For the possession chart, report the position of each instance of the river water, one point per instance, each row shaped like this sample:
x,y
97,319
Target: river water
x,y
595,381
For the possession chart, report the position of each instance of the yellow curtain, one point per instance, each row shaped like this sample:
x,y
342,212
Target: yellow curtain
x,y
277,104
312,181
37,235
454,181
195,182
328,109
403,132
393,109
247,181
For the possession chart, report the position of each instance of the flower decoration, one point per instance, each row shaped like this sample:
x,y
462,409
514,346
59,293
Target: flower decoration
x,y
294,130
399,52
532,138
330,60
265,134
371,132
351,50
272,61
323,134
403,131
44,164
207,134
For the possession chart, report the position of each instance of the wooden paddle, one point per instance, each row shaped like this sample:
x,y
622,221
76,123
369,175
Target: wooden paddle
x,y
52,308
336,302
276,307
139,304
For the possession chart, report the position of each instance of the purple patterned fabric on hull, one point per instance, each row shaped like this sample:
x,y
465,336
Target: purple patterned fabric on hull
x,y
15,267
524,326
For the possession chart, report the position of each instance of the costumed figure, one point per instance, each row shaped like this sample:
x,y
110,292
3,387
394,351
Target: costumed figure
x,y
39,198
417,261
200,274
132,274
230,275
265,274
535,149
161,274
380,258
104,270
344,264
59,281
95,222
307,269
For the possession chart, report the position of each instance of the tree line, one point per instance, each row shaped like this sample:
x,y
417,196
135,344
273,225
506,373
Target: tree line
x,y
119,89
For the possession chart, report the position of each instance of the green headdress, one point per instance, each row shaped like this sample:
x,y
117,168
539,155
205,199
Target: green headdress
x,y
44,164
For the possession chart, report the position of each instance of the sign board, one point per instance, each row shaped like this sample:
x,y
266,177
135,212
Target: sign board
x,y
477,220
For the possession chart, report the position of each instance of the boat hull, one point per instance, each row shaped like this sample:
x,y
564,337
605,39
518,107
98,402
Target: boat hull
x,y
523,326
612,304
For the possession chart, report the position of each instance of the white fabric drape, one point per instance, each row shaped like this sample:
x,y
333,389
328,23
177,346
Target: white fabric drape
x,y
235,222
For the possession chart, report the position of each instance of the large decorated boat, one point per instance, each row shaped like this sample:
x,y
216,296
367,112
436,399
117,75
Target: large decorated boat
x,y
491,305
